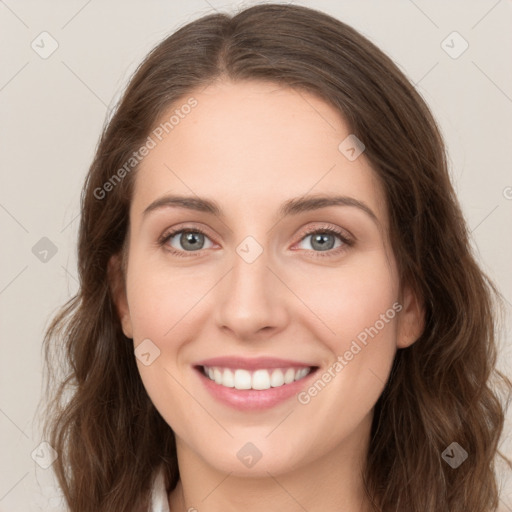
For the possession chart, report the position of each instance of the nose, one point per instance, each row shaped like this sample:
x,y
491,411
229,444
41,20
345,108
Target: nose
x,y
252,301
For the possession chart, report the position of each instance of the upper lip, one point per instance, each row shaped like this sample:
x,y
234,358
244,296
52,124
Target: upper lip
x,y
255,363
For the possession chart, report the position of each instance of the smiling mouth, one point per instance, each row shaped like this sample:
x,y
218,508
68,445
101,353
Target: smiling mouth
x,y
260,379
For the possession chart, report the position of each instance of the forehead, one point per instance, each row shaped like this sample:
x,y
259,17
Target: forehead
x,y
249,144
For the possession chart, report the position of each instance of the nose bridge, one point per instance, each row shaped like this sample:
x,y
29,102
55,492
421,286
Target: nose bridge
x,y
249,279
251,297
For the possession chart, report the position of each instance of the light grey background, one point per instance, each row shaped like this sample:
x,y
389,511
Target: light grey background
x,y
52,110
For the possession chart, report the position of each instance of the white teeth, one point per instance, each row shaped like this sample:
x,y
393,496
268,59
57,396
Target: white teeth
x,y
259,379
277,379
289,376
217,375
228,379
242,379
301,373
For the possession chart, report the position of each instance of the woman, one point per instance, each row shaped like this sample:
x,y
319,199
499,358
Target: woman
x,y
278,305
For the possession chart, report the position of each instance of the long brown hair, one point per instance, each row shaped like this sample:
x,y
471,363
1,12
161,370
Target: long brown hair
x,y
109,436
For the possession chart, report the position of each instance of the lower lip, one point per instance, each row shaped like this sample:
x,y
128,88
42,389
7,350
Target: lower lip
x,y
253,399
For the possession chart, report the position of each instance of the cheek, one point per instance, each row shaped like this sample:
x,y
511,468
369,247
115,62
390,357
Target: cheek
x,y
162,306
358,304
350,299
159,300
158,308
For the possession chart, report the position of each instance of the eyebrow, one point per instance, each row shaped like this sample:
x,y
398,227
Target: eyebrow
x,y
290,207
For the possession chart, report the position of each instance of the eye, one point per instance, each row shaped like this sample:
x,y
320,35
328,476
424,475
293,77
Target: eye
x,y
323,240
189,240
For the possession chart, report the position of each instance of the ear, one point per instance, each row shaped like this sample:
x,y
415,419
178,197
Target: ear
x,y
118,290
411,320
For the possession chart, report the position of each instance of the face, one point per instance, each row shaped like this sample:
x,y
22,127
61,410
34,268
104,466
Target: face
x,y
238,272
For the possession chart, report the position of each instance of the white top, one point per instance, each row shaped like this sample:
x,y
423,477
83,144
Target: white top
x,y
159,498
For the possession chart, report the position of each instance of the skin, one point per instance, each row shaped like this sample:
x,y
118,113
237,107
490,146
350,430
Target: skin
x,y
251,146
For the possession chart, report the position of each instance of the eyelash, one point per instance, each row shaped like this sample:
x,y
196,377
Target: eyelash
x,y
347,243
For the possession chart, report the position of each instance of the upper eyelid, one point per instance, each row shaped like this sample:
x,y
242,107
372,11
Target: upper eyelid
x,y
175,231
